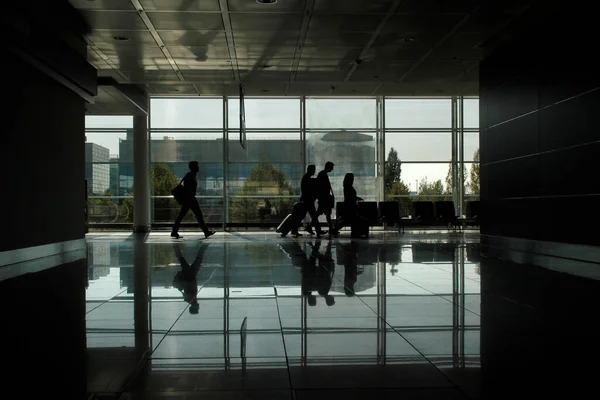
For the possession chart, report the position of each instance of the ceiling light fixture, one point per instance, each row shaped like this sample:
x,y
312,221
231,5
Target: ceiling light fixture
x,y
266,1
406,40
121,38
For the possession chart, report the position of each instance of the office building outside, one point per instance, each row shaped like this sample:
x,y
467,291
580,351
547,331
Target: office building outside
x,y
97,173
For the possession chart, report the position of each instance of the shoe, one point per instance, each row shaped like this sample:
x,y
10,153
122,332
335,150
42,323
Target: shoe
x,y
209,233
296,234
334,232
321,233
309,229
176,235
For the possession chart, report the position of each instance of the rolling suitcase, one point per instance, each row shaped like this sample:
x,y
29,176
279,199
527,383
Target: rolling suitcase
x,y
293,219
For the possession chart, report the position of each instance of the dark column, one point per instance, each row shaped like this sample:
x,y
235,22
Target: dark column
x,y
47,81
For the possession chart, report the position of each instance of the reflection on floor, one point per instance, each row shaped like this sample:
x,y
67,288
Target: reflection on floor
x,y
269,317
252,315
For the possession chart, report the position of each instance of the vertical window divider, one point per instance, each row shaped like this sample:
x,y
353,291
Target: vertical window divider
x,y
381,145
303,132
461,149
149,166
225,161
454,156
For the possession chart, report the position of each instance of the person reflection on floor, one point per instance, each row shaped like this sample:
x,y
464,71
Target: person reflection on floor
x,y
350,267
326,270
185,280
317,275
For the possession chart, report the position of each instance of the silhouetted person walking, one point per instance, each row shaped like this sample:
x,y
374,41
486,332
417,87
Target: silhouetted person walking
x,y
190,183
308,196
185,280
325,194
350,209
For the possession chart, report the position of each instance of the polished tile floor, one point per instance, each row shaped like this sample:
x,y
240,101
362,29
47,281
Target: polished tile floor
x,y
251,315
259,316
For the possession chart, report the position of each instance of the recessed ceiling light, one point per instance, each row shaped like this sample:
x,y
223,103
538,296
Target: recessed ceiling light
x,y
121,38
266,1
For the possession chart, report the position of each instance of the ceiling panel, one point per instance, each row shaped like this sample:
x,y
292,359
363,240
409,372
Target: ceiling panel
x,y
200,52
265,22
181,5
374,71
132,52
347,7
437,6
396,54
264,52
107,38
264,77
326,40
323,73
113,20
272,65
449,54
344,22
336,53
265,38
432,71
102,4
186,21
279,7
151,75
209,75
194,38
264,88
422,24
194,64
339,89
171,90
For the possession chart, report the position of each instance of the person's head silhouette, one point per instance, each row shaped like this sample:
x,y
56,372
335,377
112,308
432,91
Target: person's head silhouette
x,y
311,169
348,179
328,166
193,166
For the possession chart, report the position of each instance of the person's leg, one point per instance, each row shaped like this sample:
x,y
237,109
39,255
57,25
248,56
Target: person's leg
x,y
314,216
328,218
200,218
184,210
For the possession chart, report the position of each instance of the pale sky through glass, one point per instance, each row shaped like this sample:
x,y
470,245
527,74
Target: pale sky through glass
x,y
284,113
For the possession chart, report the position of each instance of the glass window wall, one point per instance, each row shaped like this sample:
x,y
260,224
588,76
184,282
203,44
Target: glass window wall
x,y
258,184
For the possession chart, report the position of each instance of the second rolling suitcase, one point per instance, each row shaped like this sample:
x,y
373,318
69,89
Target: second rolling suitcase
x,y
293,219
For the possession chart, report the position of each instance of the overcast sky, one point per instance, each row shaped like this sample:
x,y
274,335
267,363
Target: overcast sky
x,y
321,114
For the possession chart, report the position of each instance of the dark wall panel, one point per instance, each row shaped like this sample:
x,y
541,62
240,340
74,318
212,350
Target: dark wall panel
x,y
540,134
42,160
43,334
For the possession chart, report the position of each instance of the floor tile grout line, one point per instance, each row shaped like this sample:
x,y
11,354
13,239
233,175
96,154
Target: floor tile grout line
x,y
406,340
106,301
287,359
179,317
437,295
